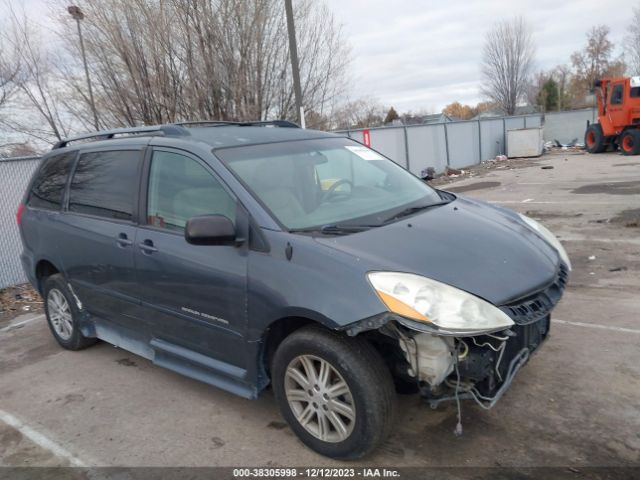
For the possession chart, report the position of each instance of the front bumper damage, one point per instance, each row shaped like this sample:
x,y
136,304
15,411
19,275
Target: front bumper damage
x,y
450,368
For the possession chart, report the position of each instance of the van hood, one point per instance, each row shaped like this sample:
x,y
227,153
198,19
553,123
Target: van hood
x,y
468,244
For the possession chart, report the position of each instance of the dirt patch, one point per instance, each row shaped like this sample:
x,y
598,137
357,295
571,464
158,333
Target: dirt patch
x,y
18,300
626,164
628,218
126,362
474,186
539,214
616,188
484,168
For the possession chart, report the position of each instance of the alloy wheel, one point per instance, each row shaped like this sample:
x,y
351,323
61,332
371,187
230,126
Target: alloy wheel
x,y
60,314
320,398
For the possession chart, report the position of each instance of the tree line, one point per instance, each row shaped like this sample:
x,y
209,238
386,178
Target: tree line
x,y
159,61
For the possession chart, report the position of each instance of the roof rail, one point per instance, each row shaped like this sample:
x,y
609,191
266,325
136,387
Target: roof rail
x,y
221,123
168,130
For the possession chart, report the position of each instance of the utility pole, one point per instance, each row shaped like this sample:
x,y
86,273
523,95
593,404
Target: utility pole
x,y
77,15
295,68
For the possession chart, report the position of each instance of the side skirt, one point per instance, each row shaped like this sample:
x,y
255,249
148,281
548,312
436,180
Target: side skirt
x,y
172,357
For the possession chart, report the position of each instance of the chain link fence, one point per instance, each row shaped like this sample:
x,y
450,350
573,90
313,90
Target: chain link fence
x,y
15,174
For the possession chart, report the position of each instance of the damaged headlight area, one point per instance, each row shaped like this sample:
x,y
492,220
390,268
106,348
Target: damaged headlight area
x,y
479,367
446,309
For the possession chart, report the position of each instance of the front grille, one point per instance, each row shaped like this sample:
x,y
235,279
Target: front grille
x,y
537,306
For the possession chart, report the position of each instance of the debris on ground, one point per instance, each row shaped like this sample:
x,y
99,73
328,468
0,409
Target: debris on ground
x,y
453,172
574,146
501,158
592,257
618,269
547,167
485,167
18,300
428,174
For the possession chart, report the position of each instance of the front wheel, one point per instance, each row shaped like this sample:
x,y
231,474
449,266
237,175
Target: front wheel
x,y
336,393
594,139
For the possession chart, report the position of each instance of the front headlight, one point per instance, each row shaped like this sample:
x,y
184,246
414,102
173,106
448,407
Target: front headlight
x,y
447,309
549,237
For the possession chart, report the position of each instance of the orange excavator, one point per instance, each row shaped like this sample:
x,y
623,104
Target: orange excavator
x,y
618,116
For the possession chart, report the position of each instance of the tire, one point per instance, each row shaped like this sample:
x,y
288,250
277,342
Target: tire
x,y
63,314
594,139
630,142
369,392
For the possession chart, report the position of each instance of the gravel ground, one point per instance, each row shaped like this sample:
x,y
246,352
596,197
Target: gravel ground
x,y
18,300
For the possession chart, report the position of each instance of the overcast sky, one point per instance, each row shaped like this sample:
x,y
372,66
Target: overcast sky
x,y
423,54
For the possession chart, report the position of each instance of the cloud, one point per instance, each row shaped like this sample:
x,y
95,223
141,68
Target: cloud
x,y
424,54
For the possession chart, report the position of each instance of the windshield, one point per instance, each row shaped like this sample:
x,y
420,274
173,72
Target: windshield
x,y
334,181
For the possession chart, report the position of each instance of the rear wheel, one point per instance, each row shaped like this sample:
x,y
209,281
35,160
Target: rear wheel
x,y
594,139
336,393
63,314
630,142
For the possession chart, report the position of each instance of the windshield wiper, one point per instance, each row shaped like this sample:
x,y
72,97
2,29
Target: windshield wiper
x,y
338,229
335,229
411,210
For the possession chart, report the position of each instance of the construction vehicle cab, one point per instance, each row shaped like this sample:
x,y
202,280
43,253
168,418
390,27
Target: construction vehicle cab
x,y
618,124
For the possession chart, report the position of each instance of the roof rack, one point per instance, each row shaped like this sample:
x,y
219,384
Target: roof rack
x,y
221,123
168,130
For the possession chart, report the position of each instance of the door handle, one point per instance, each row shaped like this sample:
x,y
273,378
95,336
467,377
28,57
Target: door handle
x,y
147,247
123,240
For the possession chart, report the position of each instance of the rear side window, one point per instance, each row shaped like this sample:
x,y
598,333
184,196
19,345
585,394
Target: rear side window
x,y
105,184
47,190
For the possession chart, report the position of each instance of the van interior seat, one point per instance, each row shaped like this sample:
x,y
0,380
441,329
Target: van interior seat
x,y
278,191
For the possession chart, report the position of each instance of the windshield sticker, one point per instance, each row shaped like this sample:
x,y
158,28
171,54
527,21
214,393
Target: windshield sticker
x,y
365,153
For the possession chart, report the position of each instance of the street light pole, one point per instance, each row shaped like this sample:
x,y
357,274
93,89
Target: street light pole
x,y
77,15
295,69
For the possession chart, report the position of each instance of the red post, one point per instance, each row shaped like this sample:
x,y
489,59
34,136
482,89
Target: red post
x,y
366,137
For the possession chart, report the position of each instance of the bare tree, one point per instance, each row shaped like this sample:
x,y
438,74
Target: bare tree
x,y
358,114
507,62
9,68
632,42
35,83
156,61
593,62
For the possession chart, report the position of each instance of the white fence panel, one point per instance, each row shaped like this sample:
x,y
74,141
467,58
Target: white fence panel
x,y
464,148
390,142
427,148
492,138
565,126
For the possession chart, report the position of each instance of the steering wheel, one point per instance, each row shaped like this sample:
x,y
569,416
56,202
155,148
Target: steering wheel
x,y
332,189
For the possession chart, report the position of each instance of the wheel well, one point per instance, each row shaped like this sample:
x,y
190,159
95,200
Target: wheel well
x,y
277,332
44,269
281,329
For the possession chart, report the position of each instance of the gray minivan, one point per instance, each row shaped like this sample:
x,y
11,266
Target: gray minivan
x,y
253,254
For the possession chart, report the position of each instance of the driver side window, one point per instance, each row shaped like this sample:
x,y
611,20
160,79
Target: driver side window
x,y
181,188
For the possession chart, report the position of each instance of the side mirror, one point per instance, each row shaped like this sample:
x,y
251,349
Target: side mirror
x,y
210,230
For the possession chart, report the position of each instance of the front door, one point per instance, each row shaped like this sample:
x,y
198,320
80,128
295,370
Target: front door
x,y
193,296
615,110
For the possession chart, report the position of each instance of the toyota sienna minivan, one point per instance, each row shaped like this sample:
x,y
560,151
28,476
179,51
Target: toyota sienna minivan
x,y
246,255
